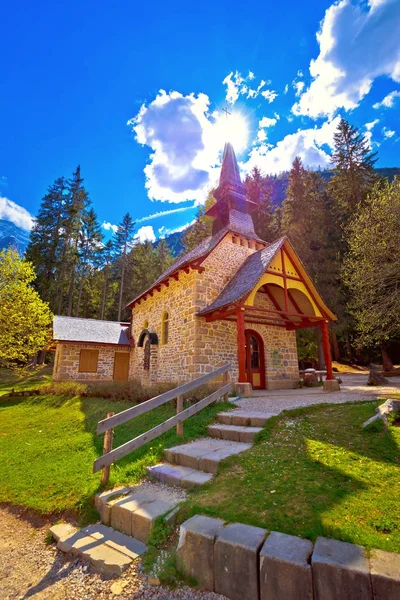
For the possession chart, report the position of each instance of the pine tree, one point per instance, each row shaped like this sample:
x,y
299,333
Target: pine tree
x,y
44,245
371,268
123,238
259,191
353,166
295,199
89,250
201,228
107,260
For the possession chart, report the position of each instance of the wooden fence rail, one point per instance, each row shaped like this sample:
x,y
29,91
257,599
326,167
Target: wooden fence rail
x,y
110,456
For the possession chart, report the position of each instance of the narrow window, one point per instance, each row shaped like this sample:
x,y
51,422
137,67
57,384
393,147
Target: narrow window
x,y
164,328
88,360
145,324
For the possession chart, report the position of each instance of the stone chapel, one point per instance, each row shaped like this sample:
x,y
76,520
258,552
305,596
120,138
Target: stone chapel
x,y
235,298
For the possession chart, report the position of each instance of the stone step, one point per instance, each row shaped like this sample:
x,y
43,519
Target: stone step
x,y
178,475
204,454
109,551
244,418
133,511
235,433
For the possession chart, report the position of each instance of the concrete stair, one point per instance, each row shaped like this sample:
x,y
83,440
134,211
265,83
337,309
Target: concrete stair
x,y
109,551
133,511
244,418
234,433
194,464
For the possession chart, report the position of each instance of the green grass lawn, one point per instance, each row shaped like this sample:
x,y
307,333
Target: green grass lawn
x,y
314,472
48,445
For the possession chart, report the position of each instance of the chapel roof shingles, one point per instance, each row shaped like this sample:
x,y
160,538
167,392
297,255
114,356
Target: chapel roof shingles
x,y
74,329
246,277
239,225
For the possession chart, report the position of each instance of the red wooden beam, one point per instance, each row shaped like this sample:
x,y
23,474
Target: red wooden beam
x,y
241,345
220,315
327,350
280,312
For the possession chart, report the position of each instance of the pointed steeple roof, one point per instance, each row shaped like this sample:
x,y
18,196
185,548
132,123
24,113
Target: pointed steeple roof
x,y
232,207
229,170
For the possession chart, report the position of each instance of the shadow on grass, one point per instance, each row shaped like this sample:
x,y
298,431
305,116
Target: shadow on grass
x,y
313,472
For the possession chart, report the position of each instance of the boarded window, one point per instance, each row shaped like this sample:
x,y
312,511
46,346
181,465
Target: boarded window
x,y
164,328
121,366
88,360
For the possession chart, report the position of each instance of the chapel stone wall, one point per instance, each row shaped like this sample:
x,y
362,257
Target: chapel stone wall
x,y
173,361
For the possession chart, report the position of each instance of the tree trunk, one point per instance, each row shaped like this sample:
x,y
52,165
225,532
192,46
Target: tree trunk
x,y
105,286
335,345
78,305
71,291
121,289
387,364
321,358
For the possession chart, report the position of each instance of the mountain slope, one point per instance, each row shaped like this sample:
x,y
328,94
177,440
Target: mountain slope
x,y
13,236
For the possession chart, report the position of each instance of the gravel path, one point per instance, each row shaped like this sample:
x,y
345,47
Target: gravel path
x,y
354,388
31,569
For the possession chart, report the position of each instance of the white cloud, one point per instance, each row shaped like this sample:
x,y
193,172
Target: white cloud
x,y
164,231
368,134
298,86
181,133
10,211
388,133
144,234
269,95
109,226
312,145
285,91
388,100
238,85
359,41
163,213
371,125
268,122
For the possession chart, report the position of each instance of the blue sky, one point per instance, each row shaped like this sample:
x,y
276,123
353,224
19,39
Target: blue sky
x,y
134,92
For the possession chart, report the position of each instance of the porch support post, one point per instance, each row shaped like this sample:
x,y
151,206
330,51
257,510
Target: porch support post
x,y
241,345
327,350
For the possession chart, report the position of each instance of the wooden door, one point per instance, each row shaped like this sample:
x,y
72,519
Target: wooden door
x,y
121,366
255,365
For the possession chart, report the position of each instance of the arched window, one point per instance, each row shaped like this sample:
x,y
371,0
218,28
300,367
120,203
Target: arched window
x,y
145,324
164,328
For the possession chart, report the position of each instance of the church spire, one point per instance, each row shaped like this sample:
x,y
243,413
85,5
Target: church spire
x,y
232,207
229,170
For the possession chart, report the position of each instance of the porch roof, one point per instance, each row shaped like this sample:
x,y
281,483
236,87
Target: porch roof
x,y
246,278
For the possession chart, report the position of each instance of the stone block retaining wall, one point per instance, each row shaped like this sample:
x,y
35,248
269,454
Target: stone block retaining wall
x,y
248,563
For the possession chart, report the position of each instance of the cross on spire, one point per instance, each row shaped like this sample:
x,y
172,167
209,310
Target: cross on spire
x,y
226,111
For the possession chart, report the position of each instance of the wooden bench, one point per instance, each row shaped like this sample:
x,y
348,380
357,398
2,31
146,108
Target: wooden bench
x,y
320,374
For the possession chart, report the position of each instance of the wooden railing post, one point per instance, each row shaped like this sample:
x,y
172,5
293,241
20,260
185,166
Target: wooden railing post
x,y
225,379
179,408
107,447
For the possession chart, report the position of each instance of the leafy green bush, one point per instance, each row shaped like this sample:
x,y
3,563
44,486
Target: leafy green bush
x,y
65,388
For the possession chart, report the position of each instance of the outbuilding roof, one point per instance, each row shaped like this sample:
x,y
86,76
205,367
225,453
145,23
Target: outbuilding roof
x,y
74,329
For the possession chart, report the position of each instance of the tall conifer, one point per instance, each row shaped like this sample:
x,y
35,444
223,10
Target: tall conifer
x,y
123,239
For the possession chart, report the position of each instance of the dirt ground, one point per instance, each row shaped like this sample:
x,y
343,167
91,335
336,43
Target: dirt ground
x,y
30,568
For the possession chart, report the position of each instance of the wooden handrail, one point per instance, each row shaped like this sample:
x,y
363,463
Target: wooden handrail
x,y
128,447
135,411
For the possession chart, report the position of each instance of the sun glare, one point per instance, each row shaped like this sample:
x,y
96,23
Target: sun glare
x,y
232,128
